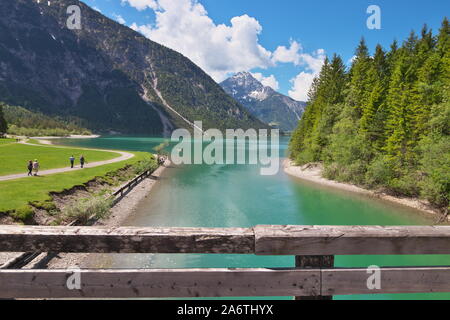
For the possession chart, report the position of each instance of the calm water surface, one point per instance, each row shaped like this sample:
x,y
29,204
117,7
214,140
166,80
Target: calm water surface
x,y
238,196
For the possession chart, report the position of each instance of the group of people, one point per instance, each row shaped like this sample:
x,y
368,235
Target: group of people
x,y
72,161
33,166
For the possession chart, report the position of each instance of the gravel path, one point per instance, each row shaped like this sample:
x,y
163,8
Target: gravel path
x,y
123,156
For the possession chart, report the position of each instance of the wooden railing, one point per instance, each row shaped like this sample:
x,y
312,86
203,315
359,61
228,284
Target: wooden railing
x,y
314,276
131,184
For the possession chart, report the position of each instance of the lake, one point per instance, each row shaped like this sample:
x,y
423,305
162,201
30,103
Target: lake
x,y
238,196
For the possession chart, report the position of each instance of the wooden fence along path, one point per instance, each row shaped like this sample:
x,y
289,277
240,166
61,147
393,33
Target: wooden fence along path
x,y
314,276
131,184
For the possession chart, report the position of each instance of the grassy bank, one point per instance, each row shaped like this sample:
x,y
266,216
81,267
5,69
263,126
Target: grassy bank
x,y
5,141
17,194
14,156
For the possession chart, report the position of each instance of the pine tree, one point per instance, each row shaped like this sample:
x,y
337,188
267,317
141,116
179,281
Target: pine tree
x,y
385,123
331,94
360,83
373,113
3,124
426,89
443,51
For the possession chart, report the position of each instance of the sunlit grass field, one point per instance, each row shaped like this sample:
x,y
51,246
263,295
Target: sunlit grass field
x,y
18,193
6,141
14,156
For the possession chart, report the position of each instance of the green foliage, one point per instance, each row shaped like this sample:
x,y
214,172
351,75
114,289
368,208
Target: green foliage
x,y
149,163
24,214
23,122
385,122
47,205
312,134
3,124
84,209
435,166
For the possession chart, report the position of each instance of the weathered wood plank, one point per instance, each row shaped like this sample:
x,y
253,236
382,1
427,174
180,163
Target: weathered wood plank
x,y
393,280
218,282
349,240
126,240
270,240
159,283
314,262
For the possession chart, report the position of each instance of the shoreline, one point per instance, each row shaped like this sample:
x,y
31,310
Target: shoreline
x,y
72,136
47,140
314,174
118,214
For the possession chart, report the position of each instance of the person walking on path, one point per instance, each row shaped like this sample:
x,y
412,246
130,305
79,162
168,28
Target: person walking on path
x,y
82,161
36,167
30,168
72,161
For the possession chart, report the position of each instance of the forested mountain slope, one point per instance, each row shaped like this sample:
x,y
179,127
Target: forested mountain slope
x,y
24,122
101,73
385,123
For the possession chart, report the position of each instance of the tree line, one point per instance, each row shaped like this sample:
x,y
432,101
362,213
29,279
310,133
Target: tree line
x,y
22,122
3,123
384,122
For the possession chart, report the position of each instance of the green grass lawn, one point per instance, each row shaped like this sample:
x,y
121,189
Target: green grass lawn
x,y
14,156
18,193
6,141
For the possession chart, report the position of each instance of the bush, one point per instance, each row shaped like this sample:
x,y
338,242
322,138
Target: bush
x,y
406,184
435,166
144,165
44,205
380,172
84,209
24,214
304,157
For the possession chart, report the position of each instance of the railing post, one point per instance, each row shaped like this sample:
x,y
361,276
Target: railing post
x,y
308,262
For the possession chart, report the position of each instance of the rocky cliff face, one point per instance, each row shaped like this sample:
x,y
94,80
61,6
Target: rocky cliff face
x,y
105,74
263,102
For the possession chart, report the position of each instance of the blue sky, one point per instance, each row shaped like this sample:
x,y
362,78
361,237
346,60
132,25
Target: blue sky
x,y
282,42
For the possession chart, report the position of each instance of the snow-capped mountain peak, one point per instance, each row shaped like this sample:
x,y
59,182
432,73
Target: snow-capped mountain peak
x,y
263,102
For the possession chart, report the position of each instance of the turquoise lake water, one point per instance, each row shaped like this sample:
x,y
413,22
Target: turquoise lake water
x,y
238,196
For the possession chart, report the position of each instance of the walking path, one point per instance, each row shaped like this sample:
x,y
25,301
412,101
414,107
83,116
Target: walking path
x,y
123,156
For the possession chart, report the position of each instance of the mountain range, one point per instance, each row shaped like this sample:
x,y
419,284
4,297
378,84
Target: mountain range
x,y
269,106
105,75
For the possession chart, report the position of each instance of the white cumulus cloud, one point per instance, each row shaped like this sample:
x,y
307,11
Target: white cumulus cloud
x,y
302,82
269,81
141,4
219,49
288,55
119,18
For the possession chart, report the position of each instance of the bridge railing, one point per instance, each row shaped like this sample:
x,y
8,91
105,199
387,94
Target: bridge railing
x,y
314,276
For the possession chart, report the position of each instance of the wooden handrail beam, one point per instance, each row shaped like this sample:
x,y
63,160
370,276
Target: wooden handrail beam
x,y
185,283
126,240
351,240
261,240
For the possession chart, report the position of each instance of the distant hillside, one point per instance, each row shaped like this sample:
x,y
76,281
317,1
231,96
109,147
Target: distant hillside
x,y
263,102
104,74
27,123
